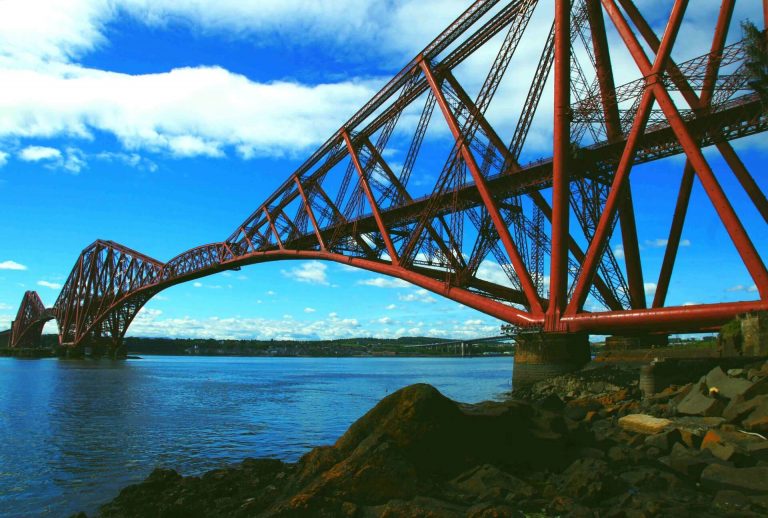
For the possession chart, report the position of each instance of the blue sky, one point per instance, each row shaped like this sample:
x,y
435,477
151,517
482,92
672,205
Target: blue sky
x,y
162,125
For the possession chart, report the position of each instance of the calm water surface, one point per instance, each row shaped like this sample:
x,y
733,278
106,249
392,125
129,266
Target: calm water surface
x,y
73,433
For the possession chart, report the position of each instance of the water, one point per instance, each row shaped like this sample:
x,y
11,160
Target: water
x,y
73,433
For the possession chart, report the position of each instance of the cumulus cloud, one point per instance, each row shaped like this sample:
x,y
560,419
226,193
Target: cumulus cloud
x,y
650,288
12,265
152,322
183,112
310,272
3,158
309,310
37,153
391,307
209,111
421,295
383,282
51,285
72,160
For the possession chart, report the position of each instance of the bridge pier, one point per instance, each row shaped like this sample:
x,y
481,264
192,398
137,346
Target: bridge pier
x,y
540,356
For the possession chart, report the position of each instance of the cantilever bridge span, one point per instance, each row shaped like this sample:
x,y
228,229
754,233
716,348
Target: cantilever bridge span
x,y
548,224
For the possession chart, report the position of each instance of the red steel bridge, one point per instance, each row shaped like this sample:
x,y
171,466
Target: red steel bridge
x,y
548,224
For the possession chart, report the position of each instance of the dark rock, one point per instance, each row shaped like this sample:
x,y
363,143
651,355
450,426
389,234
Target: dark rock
x,y
552,403
693,429
728,500
697,403
664,440
739,408
727,386
487,510
576,413
748,480
419,507
416,438
757,421
589,480
758,388
488,483
689,463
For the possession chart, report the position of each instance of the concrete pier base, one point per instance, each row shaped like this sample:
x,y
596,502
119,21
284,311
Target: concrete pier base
x,y
540,356
625,343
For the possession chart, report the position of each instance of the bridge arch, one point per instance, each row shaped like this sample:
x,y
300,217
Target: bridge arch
x,y
348,204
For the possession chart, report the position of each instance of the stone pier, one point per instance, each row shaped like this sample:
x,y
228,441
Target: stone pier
x,y
544,355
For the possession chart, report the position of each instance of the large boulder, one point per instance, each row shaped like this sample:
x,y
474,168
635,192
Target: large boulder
x,y
416,439
748,480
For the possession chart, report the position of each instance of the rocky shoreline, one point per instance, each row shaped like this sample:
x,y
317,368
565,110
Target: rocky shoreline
x,y
583,444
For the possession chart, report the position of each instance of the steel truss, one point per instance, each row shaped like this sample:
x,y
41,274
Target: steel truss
x,y
348,203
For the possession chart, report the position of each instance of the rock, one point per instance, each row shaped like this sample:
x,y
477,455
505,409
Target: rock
x,y
728,500
696,403
748,480
736,373
689,463
727,386
693,429
618,454
589,480
715,443
576,413
758,388
664,440
416,507
642,423
757,421
487,482
552,403
738,408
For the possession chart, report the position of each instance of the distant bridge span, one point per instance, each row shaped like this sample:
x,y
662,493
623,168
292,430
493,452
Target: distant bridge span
x,y
553,219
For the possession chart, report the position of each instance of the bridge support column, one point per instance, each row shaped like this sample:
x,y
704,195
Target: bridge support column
x,y
623,343
118,351
540,356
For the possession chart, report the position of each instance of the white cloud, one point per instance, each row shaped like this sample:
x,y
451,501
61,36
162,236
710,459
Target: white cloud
x,y
391,307
271,293
655,243
12,265
417,296
4,306
311,272
742,287
618,251
660,242
3,158
309,310
650,288
51,285
197,284
384,320
195,111
37,153
383,282
73,160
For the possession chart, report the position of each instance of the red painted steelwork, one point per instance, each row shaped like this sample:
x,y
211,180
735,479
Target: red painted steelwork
x,y
348,204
